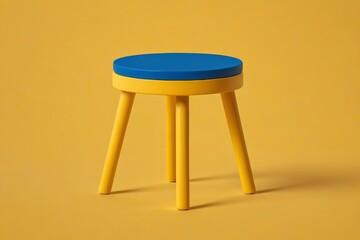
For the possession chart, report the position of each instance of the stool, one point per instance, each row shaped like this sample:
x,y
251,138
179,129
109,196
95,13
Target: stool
x,y
177,76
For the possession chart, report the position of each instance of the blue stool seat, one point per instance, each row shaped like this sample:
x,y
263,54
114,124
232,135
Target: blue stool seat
x,y
178,66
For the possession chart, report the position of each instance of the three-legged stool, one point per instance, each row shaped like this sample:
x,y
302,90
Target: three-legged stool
x,y
177,76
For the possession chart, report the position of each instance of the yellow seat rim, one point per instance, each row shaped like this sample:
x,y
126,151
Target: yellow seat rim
x,y
177,87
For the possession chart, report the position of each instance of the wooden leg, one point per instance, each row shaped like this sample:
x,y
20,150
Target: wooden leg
x,y
117,137
182,152
170,138
238,140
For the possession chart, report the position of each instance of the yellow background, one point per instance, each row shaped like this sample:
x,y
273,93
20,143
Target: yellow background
x,y
300,107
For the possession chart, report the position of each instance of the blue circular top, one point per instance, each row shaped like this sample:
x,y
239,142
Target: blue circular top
x,y
178,66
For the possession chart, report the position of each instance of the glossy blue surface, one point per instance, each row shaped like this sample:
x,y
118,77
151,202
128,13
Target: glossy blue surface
x,y
178,66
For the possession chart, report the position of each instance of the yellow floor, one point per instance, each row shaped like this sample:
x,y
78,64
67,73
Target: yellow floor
x,y
49,180
299,107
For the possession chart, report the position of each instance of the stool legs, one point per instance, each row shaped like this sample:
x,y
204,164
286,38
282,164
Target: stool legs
x,y
182,152
170,138
177,134
238,140
117,137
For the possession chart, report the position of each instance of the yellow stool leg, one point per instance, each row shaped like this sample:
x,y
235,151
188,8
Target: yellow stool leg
x,y
170,138
117,137
182,152
238,140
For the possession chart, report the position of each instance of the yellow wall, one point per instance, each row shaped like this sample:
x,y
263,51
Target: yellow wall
x,y
301,95
300,103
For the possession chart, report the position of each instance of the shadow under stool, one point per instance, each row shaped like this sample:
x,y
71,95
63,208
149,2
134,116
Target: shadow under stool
x,y
177,76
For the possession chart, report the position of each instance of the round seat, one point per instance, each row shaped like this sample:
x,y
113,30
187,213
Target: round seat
x,y
177,73
178,66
